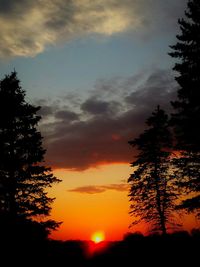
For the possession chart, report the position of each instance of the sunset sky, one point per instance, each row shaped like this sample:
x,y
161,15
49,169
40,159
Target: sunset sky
x,y
97,68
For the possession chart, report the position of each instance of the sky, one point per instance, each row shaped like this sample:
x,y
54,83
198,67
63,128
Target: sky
x,y
97,68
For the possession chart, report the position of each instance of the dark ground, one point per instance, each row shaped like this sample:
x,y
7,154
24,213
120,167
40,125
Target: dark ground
x,y
181,248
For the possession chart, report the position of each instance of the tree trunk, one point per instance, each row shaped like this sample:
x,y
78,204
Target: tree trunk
x,y
158,201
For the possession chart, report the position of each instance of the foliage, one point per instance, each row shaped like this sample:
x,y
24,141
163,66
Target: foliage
x,y
152,192
23,177
186,117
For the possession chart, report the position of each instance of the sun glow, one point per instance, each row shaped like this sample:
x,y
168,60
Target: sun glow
x,y
98,237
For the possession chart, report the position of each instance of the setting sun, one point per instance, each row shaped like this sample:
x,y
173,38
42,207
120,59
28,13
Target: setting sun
x,y
98,237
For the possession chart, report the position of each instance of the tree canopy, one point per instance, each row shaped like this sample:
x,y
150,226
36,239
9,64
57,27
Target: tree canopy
x,y
186,116
152,192
24,178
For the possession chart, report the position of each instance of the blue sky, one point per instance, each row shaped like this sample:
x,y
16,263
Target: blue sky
x,y
79,64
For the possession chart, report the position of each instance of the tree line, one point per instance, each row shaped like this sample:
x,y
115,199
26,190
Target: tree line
x,y
166,176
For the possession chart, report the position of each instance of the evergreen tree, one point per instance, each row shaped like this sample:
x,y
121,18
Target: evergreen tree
x,y
23,177
186,117
152,191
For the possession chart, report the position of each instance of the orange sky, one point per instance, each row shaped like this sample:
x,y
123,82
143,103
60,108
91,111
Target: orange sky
x,y
84,213
95,203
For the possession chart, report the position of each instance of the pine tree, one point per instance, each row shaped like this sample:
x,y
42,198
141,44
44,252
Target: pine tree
x,y
23,177
152,192
186,117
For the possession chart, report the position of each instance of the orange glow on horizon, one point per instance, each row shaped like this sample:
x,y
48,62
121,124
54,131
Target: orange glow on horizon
x,y
84,213
98,237
96,166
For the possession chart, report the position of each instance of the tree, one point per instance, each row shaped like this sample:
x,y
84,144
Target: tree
x,y
23,177
186,116
152,191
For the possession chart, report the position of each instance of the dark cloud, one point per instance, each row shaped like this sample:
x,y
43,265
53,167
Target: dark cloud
x,y
29,26
162,15
14,8
93,140
99,107
87,143
6,6
158,88
90,189
117,187
95,106
66,115
45,111
96,189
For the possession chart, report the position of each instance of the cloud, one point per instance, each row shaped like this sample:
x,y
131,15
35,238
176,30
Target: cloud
x,y
66,115
95,106
157,88
28,27
98,133
96,189
45,111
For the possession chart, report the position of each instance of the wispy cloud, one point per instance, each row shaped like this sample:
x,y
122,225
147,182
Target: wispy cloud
x,y
28,27
96,189
96,130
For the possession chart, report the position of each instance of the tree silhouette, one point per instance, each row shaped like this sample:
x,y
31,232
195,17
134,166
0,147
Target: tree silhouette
x,y
187,107
152,191
23,177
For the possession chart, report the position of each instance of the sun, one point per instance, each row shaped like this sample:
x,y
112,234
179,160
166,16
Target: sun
x,y
98,237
